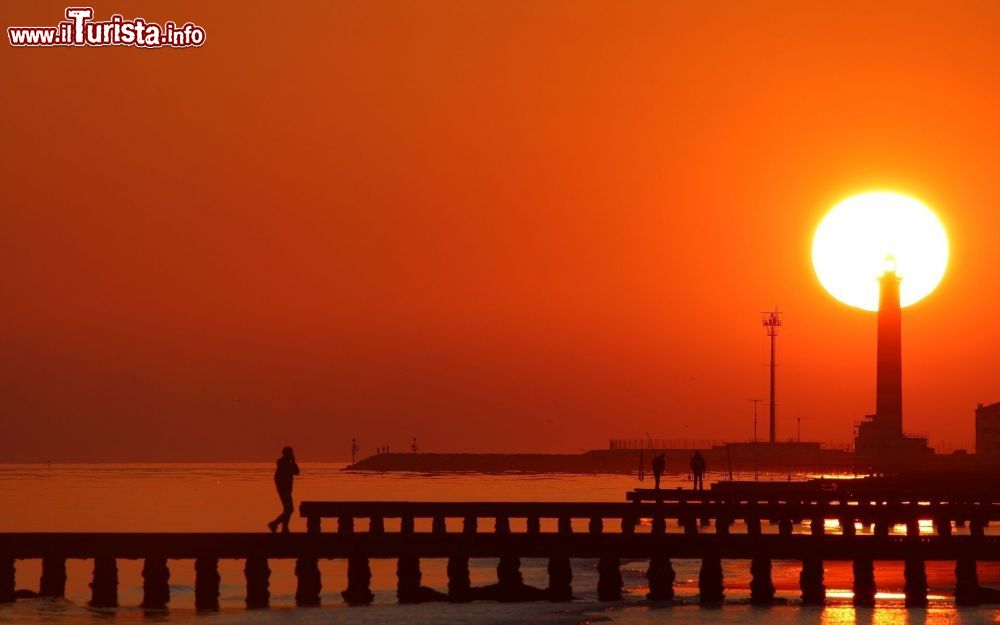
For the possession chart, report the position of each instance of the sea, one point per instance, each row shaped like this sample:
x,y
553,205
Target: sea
x,y
241,497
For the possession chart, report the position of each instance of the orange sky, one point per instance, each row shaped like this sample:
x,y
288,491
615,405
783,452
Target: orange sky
x,y
490,225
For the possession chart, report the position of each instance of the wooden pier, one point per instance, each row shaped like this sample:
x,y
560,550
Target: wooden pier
x,y
656,526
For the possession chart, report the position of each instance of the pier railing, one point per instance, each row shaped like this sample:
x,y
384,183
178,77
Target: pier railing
x,y
688,509
663,443
682,525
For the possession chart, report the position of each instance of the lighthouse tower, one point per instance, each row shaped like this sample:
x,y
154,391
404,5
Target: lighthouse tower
x,y
889,371
881,434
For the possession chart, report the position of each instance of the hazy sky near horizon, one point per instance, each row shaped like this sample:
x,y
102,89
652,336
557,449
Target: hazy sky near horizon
x,y
495,226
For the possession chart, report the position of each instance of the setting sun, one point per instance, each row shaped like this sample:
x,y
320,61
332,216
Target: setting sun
x,y
855,239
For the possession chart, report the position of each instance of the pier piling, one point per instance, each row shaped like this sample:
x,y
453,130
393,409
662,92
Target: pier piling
x,y
915,582
155,583
722,525
408,579
258,578
560,579
459,584
104,585
847,526
309,581
966,582
710,582
942,527
881,527
609,578
510,583
914,571
53,581
206,583
660,576
864,582
785,526
408,588
359,577
761,585
817,526
977,527
811,581
8,579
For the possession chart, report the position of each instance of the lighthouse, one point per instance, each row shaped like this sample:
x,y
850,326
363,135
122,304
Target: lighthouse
x,y
889,370
881,434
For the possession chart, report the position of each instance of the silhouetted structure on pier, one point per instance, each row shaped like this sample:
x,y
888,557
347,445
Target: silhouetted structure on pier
x,y
988,430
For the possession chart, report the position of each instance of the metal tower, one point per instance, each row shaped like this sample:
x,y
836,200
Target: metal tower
x,y
772,321
755,402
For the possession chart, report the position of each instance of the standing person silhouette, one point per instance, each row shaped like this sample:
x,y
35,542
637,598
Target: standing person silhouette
x,y
284,475
659,464
698,470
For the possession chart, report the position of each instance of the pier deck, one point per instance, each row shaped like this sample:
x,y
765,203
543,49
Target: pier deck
x,y
190,546
705,526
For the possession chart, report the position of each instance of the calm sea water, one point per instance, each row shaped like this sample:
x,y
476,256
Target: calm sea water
x,y
240,497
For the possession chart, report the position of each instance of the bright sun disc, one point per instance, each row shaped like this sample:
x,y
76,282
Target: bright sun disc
x,y
855,238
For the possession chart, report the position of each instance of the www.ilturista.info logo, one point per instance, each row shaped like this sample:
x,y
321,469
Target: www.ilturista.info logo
x,y
80,29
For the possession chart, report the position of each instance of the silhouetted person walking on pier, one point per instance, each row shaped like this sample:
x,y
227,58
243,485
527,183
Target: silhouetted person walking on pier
x,y
284,475
698,470
659,464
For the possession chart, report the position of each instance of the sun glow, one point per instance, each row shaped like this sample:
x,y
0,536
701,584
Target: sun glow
x,y
855,239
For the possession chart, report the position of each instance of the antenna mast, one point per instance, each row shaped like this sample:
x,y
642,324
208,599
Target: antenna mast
x,y
755,402
772,321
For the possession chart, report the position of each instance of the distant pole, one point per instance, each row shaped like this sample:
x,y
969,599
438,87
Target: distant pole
x,y
755,402
798,429
772,321
413,445
354,450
